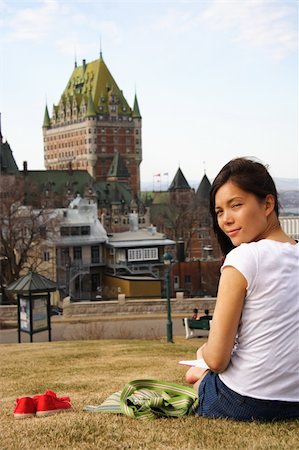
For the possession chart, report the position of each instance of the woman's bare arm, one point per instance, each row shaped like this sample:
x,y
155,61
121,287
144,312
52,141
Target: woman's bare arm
x,y
226,318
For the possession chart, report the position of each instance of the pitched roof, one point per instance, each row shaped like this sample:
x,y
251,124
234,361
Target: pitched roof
x,y
32,282
112,192
8,164
203,190
58,180
93,80
179,182
118,168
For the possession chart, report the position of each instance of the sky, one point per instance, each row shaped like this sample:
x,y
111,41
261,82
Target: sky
x,y
214,79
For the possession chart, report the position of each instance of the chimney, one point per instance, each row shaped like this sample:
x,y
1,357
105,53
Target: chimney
x,y
25,167
133,222
180,250
84,65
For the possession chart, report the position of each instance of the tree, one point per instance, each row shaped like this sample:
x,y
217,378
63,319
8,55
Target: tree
x,y
23,231
176,219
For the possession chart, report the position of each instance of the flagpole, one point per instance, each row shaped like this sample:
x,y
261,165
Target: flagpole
x,y
166,174
158,175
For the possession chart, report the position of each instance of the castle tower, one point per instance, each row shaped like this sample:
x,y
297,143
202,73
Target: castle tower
x,y
180,191
91,123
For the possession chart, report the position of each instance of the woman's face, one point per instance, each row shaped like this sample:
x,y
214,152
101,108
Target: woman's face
x,y
240,215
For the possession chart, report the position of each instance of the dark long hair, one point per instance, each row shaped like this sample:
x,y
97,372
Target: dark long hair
x,y
250,176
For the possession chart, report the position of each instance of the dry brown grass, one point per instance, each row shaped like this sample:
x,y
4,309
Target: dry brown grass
x,y
89,371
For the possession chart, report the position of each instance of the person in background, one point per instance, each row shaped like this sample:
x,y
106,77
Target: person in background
x,y
195,314
252,349
206,315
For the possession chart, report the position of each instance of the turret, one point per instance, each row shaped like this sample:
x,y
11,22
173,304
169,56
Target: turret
x,y
47,122
136,113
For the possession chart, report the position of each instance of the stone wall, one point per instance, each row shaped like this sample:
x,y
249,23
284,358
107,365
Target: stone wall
x,y
123,307
8,312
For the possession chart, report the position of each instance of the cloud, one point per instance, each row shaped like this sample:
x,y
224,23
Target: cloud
x,y
61,22
31,23
257,23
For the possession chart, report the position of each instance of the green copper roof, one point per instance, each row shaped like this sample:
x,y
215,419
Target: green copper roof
x,y
32,282
46,122
179,182
95,79
112,192
57,180
90,107
118,168
7,162
136,112
62,183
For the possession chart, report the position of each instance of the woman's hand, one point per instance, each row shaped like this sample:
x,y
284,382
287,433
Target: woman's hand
x,y
199,354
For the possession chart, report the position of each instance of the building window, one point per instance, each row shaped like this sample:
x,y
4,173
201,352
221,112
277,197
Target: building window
x,y
77,251
46,256
43,232
187,278
75,231
85,230
95,254
65,256
142,254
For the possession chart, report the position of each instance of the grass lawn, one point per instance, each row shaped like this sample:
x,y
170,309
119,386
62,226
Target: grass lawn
x,y
89,371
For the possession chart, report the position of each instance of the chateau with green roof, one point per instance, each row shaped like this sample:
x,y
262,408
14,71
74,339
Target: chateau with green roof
x,y
91,123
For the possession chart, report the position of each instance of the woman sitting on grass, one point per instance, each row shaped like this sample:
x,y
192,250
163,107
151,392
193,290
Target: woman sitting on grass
x,y
253,347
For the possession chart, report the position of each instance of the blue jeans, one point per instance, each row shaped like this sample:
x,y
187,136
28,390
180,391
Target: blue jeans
x,y
217,400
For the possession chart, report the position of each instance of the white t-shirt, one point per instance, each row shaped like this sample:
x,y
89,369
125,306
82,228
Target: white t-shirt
x,y
265,360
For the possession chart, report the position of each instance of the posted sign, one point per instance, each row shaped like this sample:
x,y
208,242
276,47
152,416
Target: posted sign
x,y
39,314
34,314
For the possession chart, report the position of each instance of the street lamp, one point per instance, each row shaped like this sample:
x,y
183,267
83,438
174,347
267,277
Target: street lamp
x,y
167,258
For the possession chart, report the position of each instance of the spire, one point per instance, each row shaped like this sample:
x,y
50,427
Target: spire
x,y
75,58
136,113
101,54
203,191
179,182
7,162
46,123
